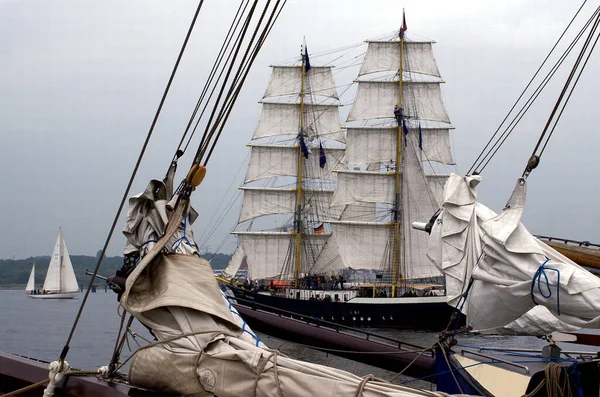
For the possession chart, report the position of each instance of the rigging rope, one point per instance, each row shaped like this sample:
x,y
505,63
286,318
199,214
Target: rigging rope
x,y
488,152
65,349
535,158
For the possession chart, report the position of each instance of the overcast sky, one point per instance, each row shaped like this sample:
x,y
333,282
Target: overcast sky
x,y
80,82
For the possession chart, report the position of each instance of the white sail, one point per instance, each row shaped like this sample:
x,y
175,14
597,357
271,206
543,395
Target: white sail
x,y
505,260
31,281
259,201
287,80
68,281
329,259
419,203
268,161
355,187
359,212
378,99
369,145
266,252
362,245
384,56
52,281
234,263
284,119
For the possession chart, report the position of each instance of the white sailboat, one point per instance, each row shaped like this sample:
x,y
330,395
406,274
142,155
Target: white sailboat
x,y
60,282
30,287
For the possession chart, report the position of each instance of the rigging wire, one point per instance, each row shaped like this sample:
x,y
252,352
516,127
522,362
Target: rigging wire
x,y
513,124
479,160
551,120
228,39
65,349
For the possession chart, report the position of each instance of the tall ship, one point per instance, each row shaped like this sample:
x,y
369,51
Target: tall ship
x,y
351,193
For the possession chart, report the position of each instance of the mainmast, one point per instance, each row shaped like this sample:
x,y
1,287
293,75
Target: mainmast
x,y
398,113
298,216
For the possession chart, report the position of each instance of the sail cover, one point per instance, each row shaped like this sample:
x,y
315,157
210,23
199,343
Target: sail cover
x,y
205,348
512,271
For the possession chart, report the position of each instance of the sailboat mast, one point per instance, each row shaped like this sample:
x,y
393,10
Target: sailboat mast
x,y
398,183
298,222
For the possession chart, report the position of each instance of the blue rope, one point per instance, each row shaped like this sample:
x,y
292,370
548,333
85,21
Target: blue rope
x,y
541,271
147,242
178,242
232,310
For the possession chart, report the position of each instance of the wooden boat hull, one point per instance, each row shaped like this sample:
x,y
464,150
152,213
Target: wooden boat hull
x,y
427,313
67,295
17,372
472,372
588,257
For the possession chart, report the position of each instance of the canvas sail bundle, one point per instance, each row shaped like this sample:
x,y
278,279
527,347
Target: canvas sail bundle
x,y
205,348
512,270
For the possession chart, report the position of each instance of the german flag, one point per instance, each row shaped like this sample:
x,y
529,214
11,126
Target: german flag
x,y
319,229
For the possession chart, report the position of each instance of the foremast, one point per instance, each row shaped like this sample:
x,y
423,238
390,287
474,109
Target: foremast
x,y
300,105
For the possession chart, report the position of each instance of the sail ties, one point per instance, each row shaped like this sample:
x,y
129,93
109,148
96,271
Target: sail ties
x,y
541,271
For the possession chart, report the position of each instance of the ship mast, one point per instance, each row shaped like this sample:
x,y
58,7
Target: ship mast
x,y
298,217
398,183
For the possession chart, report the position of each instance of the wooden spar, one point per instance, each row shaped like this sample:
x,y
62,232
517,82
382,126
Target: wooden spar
x,y
583,256
398,188
298,250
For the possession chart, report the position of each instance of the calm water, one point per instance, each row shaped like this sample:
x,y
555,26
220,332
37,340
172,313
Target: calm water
x,y
39,328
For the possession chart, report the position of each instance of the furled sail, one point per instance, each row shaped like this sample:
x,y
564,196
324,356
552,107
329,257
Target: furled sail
x,y
207,346
512,271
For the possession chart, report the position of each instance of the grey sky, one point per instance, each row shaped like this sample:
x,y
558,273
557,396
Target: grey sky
x,y
80,81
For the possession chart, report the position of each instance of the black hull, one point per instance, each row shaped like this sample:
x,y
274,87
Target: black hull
x,y
434,316
367,348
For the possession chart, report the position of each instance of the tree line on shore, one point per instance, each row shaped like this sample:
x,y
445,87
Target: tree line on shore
x,y
15,272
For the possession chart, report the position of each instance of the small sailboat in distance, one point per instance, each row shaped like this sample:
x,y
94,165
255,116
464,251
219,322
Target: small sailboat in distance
x,y
30,287
60,282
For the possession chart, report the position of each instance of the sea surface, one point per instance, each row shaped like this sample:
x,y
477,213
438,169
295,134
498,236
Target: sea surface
x,y
39,328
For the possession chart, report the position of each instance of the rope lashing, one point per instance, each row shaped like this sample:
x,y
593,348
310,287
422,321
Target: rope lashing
x,y
232,310
541,271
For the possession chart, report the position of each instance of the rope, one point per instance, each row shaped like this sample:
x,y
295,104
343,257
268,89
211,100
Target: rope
x,y
552,380
43,382
541,271
362,384
65,350
475,163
